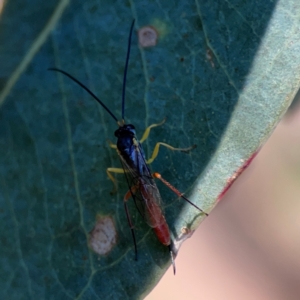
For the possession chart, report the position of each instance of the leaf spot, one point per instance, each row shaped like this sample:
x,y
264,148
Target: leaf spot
x,y
103,237
210,57
147,36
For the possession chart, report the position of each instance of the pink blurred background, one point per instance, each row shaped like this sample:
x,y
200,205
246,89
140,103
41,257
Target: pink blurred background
x,y
249,246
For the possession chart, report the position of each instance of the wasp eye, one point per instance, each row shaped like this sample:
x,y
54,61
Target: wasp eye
x,y
130,126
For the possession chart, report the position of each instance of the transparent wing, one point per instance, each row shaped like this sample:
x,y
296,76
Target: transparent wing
x,y
143,188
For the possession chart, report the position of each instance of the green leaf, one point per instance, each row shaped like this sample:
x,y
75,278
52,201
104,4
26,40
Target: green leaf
x,y
223,73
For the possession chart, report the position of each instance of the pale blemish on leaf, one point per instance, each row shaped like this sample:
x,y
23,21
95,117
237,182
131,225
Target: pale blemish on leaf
x,y
103,237
147,36
210,57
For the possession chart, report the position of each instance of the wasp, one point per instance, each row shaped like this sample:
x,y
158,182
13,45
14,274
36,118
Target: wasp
x,y
135,166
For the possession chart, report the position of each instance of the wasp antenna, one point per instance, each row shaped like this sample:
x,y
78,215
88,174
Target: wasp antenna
x,y
85,88
172,259
125,69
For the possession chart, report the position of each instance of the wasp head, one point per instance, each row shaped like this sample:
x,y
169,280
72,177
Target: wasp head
x,y
126,130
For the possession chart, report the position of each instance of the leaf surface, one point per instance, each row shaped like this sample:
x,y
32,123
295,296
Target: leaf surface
x,y
223,73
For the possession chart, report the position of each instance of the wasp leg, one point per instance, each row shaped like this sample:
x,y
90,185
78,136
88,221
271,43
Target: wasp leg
x,y
147,130
171,187
113,170
111,145
112,178
127,196
156,149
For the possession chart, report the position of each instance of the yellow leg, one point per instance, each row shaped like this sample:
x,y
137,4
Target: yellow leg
x,y
156,149
147,130
111,145
112,178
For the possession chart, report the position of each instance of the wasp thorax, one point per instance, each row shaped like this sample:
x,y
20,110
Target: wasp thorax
x,y
127,130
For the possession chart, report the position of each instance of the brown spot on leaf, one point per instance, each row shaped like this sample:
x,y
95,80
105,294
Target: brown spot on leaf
x,y
103,237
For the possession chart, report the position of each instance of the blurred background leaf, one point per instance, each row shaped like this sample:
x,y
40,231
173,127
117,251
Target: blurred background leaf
x,y
222,73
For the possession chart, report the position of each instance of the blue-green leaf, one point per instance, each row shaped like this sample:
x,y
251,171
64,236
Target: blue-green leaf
x,y
223,73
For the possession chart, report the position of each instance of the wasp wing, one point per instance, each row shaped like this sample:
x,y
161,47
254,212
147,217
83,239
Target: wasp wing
x,y
142,186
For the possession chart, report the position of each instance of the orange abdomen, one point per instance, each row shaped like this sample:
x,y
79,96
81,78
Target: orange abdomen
x,y
163,233
159,223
